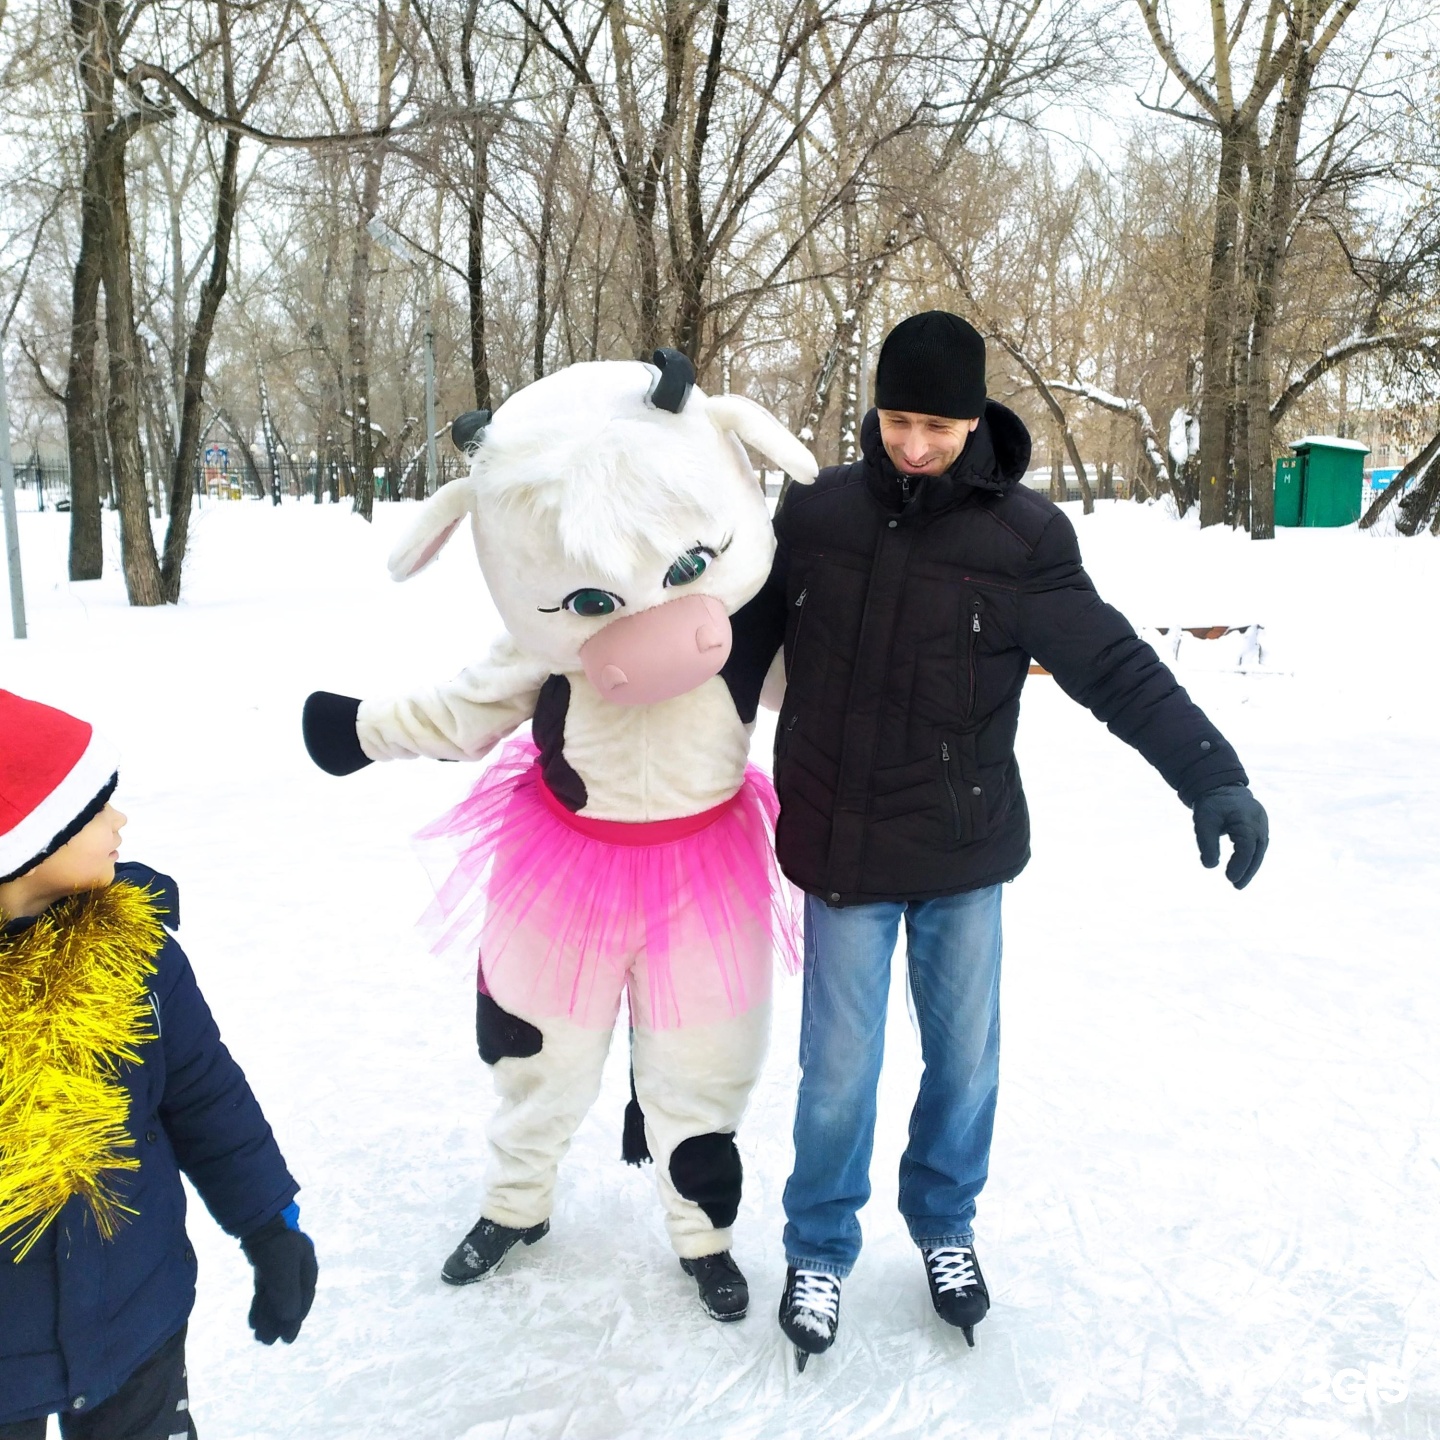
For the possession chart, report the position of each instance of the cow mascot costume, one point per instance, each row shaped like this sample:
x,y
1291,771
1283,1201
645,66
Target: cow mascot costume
x,y
623,845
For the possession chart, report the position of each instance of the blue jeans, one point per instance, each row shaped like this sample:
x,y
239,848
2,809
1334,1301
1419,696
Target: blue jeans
x,y
954,957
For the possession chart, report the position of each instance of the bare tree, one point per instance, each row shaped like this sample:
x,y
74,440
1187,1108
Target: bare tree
x,y
1233,110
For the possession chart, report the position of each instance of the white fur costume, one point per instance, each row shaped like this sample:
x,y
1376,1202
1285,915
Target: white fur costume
x,y
590,507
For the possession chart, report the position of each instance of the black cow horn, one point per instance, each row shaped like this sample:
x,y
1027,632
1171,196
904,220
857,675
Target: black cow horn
x,y
468,429
674,382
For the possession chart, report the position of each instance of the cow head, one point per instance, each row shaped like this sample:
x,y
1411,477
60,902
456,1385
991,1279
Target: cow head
x,y
617,520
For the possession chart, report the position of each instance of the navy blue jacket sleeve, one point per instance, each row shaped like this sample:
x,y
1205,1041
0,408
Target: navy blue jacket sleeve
x,y
1097,659
758,631
220,1137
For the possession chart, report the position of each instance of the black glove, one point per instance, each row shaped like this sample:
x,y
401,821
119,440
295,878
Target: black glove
x,y
1232,810
285,1273
329,727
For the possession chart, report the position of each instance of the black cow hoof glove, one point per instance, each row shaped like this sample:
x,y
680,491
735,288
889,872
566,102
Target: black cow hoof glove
x,y
285,1274
1232,810
329,727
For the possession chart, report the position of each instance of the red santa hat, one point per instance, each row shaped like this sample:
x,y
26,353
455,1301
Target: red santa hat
x,y
56,775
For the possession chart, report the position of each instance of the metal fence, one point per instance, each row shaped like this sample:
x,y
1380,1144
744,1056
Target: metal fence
x,y
45,484
42,484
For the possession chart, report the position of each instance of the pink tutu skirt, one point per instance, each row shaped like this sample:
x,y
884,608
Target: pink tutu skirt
x,y
567,912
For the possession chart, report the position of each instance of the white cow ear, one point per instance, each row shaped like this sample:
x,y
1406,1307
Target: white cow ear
x,y
439,517
756,426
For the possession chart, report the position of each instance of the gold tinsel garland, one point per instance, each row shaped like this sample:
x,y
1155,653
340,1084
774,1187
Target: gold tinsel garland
x,y
73,1010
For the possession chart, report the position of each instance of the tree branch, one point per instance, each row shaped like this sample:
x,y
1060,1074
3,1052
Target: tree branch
x,y
53,391
1347,350
137,74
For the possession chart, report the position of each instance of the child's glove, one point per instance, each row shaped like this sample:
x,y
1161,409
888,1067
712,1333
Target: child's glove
x,y
285,1273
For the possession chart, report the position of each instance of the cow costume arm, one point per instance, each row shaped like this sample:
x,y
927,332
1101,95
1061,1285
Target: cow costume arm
x,y
460,720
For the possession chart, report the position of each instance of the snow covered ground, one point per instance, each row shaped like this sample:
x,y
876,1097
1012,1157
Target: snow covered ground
x,y
1213,1205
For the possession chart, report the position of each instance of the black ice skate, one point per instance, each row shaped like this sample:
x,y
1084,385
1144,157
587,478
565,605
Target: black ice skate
x,y
723,1290
810,1312
479,1254
957,1288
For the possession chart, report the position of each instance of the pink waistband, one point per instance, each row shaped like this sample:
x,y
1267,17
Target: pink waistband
x,y
631,832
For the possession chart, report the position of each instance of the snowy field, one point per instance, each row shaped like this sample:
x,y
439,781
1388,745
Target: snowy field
x,y
1213,1205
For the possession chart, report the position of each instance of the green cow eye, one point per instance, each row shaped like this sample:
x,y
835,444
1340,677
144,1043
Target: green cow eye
x,y
690,566
590,603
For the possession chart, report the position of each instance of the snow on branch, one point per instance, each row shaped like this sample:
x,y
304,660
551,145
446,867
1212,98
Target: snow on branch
x,y
1135,409
1346,349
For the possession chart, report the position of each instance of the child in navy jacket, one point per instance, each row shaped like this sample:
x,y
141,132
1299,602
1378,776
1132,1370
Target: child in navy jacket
x,y
113,1080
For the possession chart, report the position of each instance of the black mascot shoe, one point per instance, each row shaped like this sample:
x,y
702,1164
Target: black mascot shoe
x,y
810,1312
723,1290
957,1288
479,1254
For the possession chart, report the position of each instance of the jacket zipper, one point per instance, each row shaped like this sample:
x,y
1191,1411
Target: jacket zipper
x,y
800,623
787,725
950,787
972,640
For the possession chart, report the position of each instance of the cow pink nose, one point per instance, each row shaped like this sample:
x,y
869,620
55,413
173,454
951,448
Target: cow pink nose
x,y
659,653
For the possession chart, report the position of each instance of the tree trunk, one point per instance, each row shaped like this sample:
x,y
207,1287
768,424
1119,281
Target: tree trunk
x,y
362,446
1422,503
159,431
187,447
84,435
1255,188
692,268
850,328
124,412
272,440
84,423
158,456
1407,473
1289,115
1217,395
475,273
650,338
542,240
358,336
832,361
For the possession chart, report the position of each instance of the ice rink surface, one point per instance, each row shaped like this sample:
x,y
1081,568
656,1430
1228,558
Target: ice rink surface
x,y
1213,1200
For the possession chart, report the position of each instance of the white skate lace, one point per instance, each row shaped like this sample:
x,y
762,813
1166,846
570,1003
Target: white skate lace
x,y
953,1267
816,1301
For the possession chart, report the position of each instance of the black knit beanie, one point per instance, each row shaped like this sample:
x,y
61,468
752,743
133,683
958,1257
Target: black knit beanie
x,y
932,364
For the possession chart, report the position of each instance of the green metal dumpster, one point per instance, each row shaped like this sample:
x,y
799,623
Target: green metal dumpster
x,y
1322,484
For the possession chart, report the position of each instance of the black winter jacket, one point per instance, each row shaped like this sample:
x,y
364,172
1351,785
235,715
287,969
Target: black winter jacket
x,y
909,610
78,1315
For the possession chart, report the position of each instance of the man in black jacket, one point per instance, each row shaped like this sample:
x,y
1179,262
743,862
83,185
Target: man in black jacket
x,y
911,590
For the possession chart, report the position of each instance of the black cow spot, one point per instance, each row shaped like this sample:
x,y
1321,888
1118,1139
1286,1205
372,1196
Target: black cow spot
x,y
547,729
707,1170
502,1035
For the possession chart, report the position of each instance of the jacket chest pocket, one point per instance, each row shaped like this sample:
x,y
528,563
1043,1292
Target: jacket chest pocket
x,y
964,792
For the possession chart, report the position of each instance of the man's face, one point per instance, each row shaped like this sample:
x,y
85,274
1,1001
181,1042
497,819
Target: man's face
x,y
923,444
